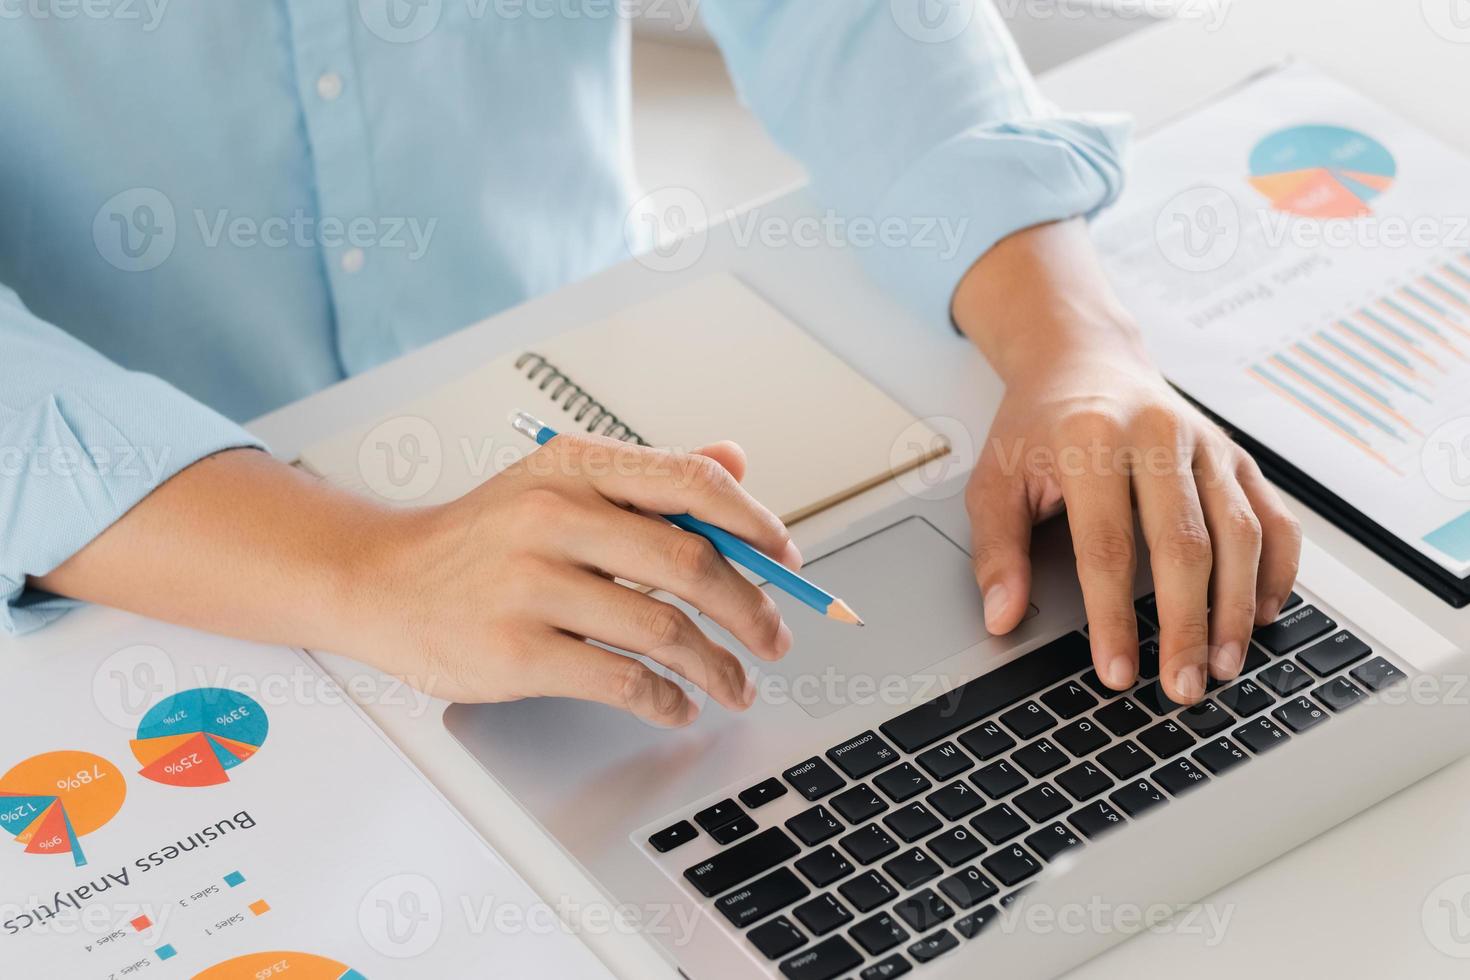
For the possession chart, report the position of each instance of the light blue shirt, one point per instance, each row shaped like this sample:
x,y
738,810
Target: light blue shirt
x,y
210,209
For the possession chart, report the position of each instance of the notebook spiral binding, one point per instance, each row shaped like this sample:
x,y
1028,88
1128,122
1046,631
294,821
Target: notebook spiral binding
x,y
585,410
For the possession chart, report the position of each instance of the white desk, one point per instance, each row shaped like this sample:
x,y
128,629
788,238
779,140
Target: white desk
x,y
1347,905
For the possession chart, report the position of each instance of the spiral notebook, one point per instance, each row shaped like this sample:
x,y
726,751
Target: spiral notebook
x,y
709,361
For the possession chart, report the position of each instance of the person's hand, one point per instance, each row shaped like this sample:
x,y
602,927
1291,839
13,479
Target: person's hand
x,y
493,597
1089,425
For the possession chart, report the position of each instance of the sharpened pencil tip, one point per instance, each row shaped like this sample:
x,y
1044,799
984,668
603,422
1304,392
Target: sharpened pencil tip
x,y
843,613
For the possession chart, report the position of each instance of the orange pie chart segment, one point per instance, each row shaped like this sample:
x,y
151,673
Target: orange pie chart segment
x,y
50,801
284,965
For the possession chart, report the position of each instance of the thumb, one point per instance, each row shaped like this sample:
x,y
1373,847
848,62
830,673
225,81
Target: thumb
x,y
1000,537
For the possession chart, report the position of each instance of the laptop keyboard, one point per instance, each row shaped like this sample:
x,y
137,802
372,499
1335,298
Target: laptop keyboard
x,y
919,833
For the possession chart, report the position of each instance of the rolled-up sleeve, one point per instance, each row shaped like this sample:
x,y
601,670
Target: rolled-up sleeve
x,y
81,441
930,129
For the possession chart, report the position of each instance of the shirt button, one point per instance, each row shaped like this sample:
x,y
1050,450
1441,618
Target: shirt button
x,y
353,260
329,86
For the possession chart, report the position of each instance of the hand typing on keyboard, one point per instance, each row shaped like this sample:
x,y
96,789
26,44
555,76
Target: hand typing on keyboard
x,y
1090,426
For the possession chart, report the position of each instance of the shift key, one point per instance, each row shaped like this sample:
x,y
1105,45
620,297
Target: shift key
x,y
742,862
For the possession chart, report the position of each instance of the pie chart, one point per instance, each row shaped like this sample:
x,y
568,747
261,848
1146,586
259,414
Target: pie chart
x,y
49,802
291,966
194,738
1322,171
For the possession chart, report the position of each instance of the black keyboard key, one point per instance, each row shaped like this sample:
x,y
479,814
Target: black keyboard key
x,y
762,793
879,933
1052,840
858,803
734,830
672,836
1042,802
1285,678
1125,760
776,938
999,823
998,779
1039,758
1179,776
1299,714
861,755
813,779
933,946
1081,737
944,761
1069,700
987,741
1292,601
1245,698
912,868
868,844
1166,738
1137,797
956,846
760,898
1254,660
1377,674
968,888
1084,781
971,925
867,891
1011,864
814,825
822,914
721,813
1096,683
955,800
923,910
827,959
742,862
1218,755
1302,625
886,968
1009,899
1147,609
1328,656
1028,720
1122,717
824,866
1260,735
1148,660
902,782
1339,694
1206,718
1096,818
1006,685
1152,697
912,822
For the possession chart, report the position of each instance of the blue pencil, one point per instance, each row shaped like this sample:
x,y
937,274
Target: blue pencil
x,y
728,545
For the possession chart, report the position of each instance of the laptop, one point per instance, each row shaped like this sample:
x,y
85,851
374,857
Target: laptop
x,y
899,794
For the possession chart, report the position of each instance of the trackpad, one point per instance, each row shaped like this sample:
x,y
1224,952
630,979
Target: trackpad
x,y
915,590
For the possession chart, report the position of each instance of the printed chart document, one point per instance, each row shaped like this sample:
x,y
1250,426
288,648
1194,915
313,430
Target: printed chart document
x,y
1299,258
176,805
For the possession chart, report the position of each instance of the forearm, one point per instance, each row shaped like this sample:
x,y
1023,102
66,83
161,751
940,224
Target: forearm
x,y
1040,296
237,543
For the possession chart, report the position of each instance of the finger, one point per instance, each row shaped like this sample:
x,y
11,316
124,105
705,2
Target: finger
x,y
1000,540
664,482
590,606
568,668
653,552
1100,516
1181,557
1281,540
1235,535
728,454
